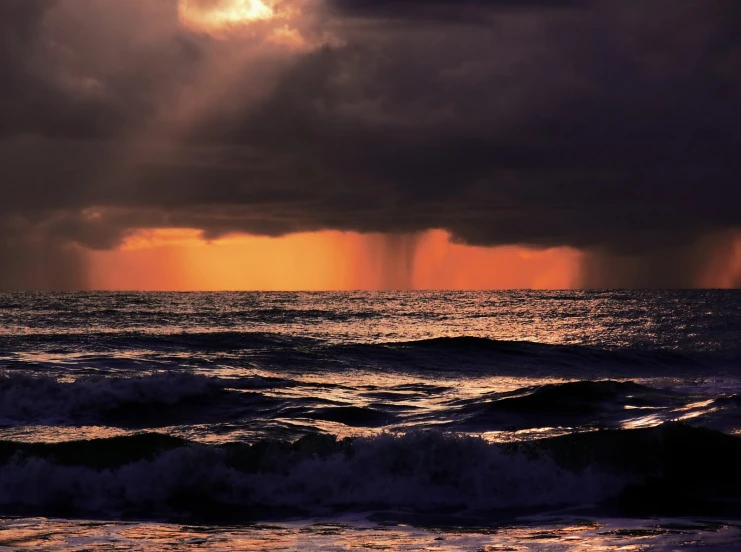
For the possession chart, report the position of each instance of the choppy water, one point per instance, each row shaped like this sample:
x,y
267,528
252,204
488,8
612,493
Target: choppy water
x,y
450,421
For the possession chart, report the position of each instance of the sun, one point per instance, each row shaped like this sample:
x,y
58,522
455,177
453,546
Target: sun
x,y
220,15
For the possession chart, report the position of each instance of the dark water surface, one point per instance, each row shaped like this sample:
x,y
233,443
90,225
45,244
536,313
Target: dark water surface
x,y
353,421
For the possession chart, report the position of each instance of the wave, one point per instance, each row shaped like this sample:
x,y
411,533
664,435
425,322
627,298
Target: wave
x,y
579,403
469,343
670,469
316,476
282,314
193,341
680,469
299,354
178,397
557,352
524,358
149,400
169,398
353,416
577,396
730,400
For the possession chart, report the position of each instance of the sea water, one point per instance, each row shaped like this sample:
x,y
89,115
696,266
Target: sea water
x,y
597,420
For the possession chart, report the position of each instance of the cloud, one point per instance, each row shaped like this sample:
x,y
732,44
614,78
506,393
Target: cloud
x,y
607,126
445,10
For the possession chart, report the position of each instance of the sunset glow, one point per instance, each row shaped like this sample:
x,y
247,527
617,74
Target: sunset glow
x,y
370,274
442,264
724,270
181,260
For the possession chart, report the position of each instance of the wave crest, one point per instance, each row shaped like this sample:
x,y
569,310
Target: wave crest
x,y
420,472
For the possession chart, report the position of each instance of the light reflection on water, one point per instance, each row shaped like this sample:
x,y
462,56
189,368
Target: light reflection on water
x,y
607,535
319,341
217,368
430,403
613,319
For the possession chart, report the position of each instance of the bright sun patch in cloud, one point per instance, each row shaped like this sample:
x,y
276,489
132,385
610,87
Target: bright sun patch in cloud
x,y
272,21
218,15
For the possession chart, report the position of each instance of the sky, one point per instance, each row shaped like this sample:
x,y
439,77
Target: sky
x,y
369,144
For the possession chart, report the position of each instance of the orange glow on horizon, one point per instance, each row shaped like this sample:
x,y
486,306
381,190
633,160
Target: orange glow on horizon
x,y
441,264
724,271
180,260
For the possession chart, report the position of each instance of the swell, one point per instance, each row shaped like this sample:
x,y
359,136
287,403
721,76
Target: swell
x,y
152,400
672,469
210,341
180,397
579,404
280,352
171,398
546,351
678,469
523,358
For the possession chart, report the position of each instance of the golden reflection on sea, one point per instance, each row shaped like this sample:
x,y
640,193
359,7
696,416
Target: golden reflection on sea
x,y
576,536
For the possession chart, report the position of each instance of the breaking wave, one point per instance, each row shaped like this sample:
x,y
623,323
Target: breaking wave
x,y
161,476
157,398
144,476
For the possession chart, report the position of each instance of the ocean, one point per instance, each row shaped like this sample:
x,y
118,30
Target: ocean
x,y
524,420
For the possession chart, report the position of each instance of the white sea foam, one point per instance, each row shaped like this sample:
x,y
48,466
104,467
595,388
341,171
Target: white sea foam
x,y
424,472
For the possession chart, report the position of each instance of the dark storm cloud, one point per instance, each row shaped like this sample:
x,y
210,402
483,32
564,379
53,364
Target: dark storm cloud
x,y
590,129
30,101
444,9
27,260
608,126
